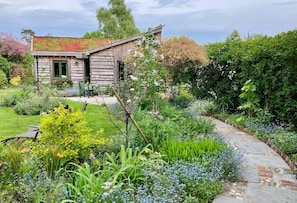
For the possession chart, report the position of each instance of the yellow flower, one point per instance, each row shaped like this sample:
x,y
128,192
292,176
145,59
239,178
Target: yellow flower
x,y
25,150
59,155
141,158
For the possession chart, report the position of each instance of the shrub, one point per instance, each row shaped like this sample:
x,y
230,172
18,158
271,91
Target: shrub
x,y
286,142
3,80
190,128
202,107
12,99
33,186
183,97
63,83
5,66
15,80
155,127
65,138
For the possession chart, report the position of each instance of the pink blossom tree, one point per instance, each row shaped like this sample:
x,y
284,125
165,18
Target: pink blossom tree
x,y
12,48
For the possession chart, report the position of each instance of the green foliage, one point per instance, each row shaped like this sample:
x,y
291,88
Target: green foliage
x,y
251,100
65,138
128,165
62,83
14,98
285,141
191,150
13,159
148,78
86,185
5,66
117,21
37,102
202,107
183,97
93,34
268,61
3,80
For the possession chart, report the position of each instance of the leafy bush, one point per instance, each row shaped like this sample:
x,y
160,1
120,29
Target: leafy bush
x,y
190,128
15,80
33,186
155,128
3,80
202,107
286,142
65,138
85,185
183,97
12,99
35,105
63,83
5,66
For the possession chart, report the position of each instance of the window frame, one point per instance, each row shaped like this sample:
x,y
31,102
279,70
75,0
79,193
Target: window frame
x,y
60,66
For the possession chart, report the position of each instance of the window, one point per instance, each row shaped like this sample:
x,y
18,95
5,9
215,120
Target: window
x,y
121,68
60,69
123,72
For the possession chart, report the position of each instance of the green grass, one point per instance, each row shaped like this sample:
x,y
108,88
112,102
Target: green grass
x,y
97,117
13,124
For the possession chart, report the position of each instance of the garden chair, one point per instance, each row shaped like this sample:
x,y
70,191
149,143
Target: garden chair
x,y
32,133
85,89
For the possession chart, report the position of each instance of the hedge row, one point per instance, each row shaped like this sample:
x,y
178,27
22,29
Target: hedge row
x,y
270,62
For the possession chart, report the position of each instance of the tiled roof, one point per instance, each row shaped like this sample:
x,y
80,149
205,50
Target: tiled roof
x,y
66,44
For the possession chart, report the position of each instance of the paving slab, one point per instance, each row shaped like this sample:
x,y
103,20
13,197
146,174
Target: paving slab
x,y
269,194
265,176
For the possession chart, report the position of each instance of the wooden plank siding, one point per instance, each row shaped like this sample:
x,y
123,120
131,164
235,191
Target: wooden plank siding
x,y
102,61
45,69
76,70
102,67
44,72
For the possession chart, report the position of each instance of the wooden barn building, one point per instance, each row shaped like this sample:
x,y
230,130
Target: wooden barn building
x,y
98,61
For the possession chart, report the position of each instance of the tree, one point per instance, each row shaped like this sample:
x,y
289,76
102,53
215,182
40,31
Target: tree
x,y
116,22
93,34
182,57
11,48
27,35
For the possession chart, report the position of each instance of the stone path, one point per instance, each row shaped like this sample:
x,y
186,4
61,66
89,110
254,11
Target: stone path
x,y
266,177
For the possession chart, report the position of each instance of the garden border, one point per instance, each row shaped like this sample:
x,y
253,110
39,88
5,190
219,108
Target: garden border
x,y
267,142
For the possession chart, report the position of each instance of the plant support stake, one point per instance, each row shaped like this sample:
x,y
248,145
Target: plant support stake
x,y
132,119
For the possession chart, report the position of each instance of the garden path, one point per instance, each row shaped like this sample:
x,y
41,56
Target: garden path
x,y
266,177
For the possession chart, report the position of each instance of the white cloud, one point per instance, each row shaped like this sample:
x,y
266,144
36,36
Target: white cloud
x,y
197,19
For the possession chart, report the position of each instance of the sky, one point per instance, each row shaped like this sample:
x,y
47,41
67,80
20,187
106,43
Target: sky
x,y
205,21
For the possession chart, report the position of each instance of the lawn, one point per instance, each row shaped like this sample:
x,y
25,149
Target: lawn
x,y
13,124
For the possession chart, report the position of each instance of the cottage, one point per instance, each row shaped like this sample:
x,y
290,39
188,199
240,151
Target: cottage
x,y
98,61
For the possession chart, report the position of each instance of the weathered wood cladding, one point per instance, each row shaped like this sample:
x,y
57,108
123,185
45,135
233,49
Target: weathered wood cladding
x,y
45,68
102,67
103,64
43,73
76,70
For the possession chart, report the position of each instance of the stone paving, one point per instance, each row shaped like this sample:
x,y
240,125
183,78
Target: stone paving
x,y
266,177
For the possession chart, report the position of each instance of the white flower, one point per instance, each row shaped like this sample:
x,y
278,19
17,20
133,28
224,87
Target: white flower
x,y
133,78
92,156
132,89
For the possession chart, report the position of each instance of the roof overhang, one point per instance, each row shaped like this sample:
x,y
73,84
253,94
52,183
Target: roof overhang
x,y
79,55
123,41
